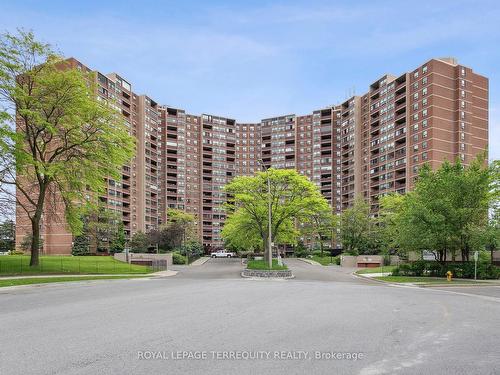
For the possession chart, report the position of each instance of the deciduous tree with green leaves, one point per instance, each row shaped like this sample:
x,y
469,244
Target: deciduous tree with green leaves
x,y
293,199
358,229
139,243
66,141
320,227
446,213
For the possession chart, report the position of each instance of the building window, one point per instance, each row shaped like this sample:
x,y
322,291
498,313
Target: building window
x,y
424,69
424,144
415,127
424,81
424,123
424,101
424,156
424,134
424,112
424,91
415,75
415,96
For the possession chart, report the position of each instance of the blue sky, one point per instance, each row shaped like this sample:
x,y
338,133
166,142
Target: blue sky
x,y
256,59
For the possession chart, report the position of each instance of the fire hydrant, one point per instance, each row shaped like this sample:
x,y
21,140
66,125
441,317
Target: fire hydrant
x,y
449,275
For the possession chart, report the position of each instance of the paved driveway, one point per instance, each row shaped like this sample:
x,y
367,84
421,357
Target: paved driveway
x,y
109,327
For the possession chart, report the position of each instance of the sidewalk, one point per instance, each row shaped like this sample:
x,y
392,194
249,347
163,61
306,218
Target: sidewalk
x,y
429,284
200,261
166,273
310,261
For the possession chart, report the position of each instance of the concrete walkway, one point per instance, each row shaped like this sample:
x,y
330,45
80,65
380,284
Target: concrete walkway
x,y
166,273
200,261
310,261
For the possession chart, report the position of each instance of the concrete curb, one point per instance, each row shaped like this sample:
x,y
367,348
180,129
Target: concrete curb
x,y
145,275
199,262
360,276
428,285
311,262
167,273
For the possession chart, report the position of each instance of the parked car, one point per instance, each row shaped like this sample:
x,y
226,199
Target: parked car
x,y
222,254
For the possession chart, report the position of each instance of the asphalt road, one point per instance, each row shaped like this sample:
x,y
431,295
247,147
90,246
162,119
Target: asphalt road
x,y
115,327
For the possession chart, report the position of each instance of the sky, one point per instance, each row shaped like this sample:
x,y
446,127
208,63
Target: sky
x,y
258,59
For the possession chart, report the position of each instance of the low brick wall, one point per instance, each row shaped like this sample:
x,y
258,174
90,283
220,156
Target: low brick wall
x,y
283,274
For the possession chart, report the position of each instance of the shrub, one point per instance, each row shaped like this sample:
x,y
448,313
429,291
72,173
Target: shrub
x,y
178,258
336,260
246,254
16,252
301,251
463,270
81,246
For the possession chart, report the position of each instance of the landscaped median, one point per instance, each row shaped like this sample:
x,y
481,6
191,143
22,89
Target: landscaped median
x,y
260,269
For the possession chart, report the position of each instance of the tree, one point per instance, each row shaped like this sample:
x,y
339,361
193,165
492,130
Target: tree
x,y
27,243
81,245
358,229
105,230
139,243
119,239
66,143
180,228
293,199
447,211
7,236
320,227
241,234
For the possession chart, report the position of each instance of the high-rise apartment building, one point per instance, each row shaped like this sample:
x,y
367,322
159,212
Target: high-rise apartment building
x,y
366,146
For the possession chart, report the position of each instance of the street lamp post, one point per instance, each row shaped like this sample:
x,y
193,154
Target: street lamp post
x,y
269,217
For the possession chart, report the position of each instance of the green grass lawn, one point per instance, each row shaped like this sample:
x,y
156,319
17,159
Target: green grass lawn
x,y
376,269
324,260
45,280
262,265
424,280
19,265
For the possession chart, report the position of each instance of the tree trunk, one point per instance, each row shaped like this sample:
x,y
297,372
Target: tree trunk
x,y
35,241
35,228
266,248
